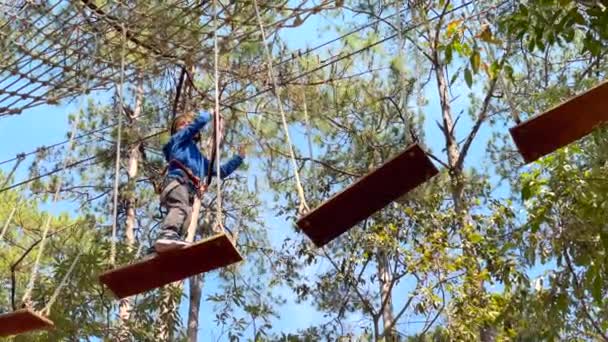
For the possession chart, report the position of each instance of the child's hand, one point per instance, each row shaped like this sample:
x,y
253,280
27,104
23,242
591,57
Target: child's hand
x,y
203,188
243,149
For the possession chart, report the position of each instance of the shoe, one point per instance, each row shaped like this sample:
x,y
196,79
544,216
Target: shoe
x,y
150,252
169,240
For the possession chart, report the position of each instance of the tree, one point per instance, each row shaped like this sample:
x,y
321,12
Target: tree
x,y
453,259
565,196
449,236
62,269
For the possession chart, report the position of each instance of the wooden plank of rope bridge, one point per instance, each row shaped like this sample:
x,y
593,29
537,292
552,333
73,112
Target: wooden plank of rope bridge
x,y
22,321
203,256
366,196
562,125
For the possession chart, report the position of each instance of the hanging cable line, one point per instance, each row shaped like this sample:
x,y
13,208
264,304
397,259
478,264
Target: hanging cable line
x,y
327,62
294,56
61,143
337,58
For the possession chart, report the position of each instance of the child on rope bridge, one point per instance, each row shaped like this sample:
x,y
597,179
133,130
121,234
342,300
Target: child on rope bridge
x,y
186,172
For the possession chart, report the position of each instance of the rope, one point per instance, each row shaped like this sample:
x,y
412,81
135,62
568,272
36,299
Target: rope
x,y
218,215
20,158
303,205
61,285
118,140
178,92
47,225
306,118
8,221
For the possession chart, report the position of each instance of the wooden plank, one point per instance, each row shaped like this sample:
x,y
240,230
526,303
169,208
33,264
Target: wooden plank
x,y
562,125
22,321
366,196
206,255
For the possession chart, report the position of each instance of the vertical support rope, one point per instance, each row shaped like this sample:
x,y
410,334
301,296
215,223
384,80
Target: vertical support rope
x,y
118,140
306,118
8,221
61,285
47,224
20,158
303,205
26,299
218,217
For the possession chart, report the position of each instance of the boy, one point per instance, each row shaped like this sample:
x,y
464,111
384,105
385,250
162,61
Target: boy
x,y
186,177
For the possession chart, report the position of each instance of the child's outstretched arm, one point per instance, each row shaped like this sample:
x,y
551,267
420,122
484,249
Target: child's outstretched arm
x,y
187,133
228,167
231,165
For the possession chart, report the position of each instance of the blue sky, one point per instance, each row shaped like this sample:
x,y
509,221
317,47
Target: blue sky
x,y
45,125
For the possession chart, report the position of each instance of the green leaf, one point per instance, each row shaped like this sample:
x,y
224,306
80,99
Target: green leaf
x,y
468,77
540,43
454,77
509,71
448,53
604,238
562,302
494,69
577,17
397,64
475,61
531,43
569,35
524,10
593,46
475,238
526,191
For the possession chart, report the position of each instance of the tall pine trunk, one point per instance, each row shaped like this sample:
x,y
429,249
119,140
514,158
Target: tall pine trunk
x,y
196,291
196,282
385,277
124,308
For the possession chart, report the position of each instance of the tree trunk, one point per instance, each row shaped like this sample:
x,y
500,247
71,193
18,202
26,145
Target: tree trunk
x,y
457,181
196,282
196,287
124,308
166,316
386,301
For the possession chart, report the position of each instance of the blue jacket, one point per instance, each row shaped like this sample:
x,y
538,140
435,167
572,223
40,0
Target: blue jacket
x,y
182,147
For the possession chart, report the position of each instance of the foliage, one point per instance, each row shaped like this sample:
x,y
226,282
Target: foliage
x,y
541,24
455,259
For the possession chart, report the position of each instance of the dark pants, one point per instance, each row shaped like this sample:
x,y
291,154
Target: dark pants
x,y
177,199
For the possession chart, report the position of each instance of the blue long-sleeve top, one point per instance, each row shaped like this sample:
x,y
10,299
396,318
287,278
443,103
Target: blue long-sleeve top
x,y
182,147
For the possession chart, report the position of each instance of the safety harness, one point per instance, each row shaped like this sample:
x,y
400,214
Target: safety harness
x,y
196,181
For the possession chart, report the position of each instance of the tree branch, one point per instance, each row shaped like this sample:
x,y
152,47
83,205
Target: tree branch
x,y
483,114
595,325
364,300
